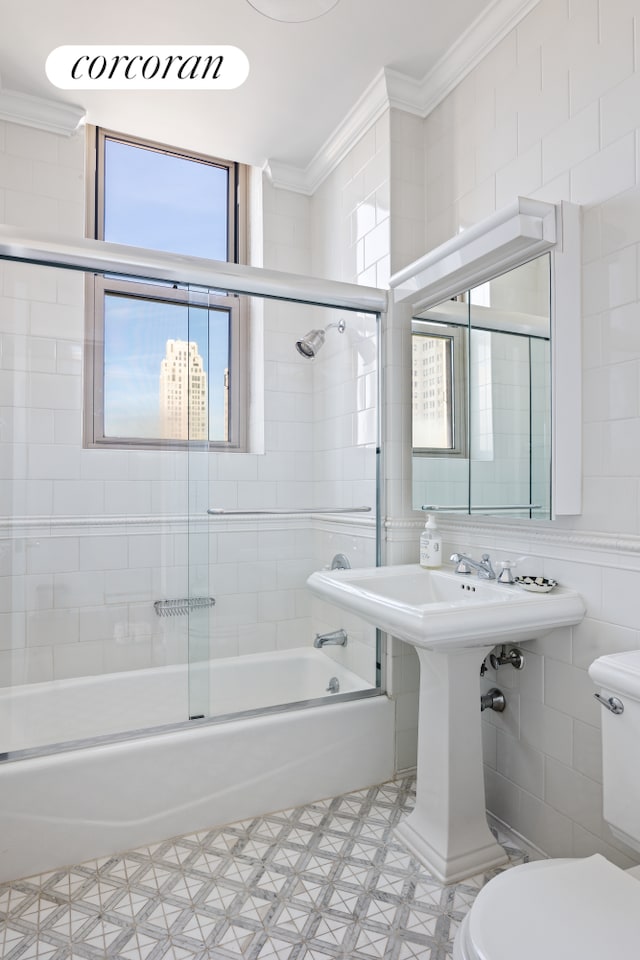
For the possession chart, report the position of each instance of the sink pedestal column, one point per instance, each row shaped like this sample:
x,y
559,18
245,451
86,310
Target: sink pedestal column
x,y
448,830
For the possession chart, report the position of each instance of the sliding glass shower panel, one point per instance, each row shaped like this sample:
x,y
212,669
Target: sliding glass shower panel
x,y
86,547
301,489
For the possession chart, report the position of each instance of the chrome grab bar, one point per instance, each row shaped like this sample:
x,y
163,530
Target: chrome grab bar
x,y
517,506
614,704
222,511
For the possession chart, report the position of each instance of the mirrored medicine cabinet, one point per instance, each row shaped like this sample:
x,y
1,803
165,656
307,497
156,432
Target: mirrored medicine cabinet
x,y
496,366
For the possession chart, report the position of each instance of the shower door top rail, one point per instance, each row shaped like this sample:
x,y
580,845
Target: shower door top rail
x,y
223,511
101,256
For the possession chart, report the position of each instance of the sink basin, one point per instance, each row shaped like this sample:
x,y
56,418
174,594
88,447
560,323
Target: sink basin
x,y
441,610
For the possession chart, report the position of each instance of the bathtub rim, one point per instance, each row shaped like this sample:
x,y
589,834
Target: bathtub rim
x,y
190,724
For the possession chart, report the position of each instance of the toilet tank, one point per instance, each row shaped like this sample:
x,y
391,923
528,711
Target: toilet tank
x,y
618,675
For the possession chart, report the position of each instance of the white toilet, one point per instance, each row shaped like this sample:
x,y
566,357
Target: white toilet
x,y
585,908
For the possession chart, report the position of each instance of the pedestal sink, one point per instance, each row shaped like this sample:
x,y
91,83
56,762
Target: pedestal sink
x,y
453,621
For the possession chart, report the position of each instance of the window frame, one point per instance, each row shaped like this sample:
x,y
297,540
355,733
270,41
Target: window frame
x,y
96,291
97,286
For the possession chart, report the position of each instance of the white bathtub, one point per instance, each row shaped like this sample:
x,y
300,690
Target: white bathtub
x,y
69,806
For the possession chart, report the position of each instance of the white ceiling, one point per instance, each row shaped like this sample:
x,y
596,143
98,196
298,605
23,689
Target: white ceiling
x,y
303,80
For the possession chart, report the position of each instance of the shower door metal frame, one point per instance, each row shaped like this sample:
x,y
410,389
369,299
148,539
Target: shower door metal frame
x,y
99,256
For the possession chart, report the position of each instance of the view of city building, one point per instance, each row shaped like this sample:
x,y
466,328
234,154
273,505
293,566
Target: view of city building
x,y
183,393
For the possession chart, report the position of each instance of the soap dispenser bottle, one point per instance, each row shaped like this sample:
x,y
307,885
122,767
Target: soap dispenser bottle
x,y
430,544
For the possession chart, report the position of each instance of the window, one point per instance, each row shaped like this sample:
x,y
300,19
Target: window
x,y
164,361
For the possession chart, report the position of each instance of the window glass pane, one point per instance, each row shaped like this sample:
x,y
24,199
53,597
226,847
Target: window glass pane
x,y
164,202
166,370
219,382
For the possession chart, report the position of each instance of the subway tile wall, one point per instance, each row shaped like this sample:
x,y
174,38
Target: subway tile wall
x,y
357,236
350,213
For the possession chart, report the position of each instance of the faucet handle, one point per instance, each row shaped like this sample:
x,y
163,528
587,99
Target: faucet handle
x,y
462,565
506,571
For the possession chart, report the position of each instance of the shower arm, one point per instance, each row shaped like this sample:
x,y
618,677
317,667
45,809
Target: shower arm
x,y
339,324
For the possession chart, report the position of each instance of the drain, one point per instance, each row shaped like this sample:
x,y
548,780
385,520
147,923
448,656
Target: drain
x,y
334,685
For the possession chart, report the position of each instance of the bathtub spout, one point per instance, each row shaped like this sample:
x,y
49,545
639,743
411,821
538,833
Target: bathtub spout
x,y
337,637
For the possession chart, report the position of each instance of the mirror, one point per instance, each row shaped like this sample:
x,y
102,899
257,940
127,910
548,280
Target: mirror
x,y
481,398
529,239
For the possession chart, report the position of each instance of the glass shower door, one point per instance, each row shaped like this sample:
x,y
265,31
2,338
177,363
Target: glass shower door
x,y
260,519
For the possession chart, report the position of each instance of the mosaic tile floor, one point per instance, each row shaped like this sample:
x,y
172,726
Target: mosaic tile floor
x,y
327,880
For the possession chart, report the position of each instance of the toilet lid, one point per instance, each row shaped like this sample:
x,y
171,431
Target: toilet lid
x,y
557,909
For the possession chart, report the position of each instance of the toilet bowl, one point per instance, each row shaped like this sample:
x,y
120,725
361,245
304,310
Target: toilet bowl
x,y
557,910
584,908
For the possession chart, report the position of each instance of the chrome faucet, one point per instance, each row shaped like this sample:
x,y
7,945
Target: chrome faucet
x,y
465,565
337,637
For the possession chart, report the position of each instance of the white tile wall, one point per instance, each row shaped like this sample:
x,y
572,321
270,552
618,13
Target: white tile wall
x,y
350,213
351,240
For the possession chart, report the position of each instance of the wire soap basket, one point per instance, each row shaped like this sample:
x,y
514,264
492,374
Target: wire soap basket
x,y
176,608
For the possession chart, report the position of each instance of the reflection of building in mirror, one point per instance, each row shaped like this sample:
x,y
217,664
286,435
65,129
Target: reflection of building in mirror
x,y
432,426
437,364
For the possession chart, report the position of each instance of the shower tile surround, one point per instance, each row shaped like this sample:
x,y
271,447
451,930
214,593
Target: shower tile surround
x,y
319,881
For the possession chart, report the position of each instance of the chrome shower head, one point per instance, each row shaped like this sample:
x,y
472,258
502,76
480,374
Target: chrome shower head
x,y
311,343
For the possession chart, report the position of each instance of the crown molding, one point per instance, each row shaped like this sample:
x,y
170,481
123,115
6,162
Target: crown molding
x,y
365,112
472,46
52,116
391,88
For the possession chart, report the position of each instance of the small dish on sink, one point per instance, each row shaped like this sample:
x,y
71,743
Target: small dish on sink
x,y
536,584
